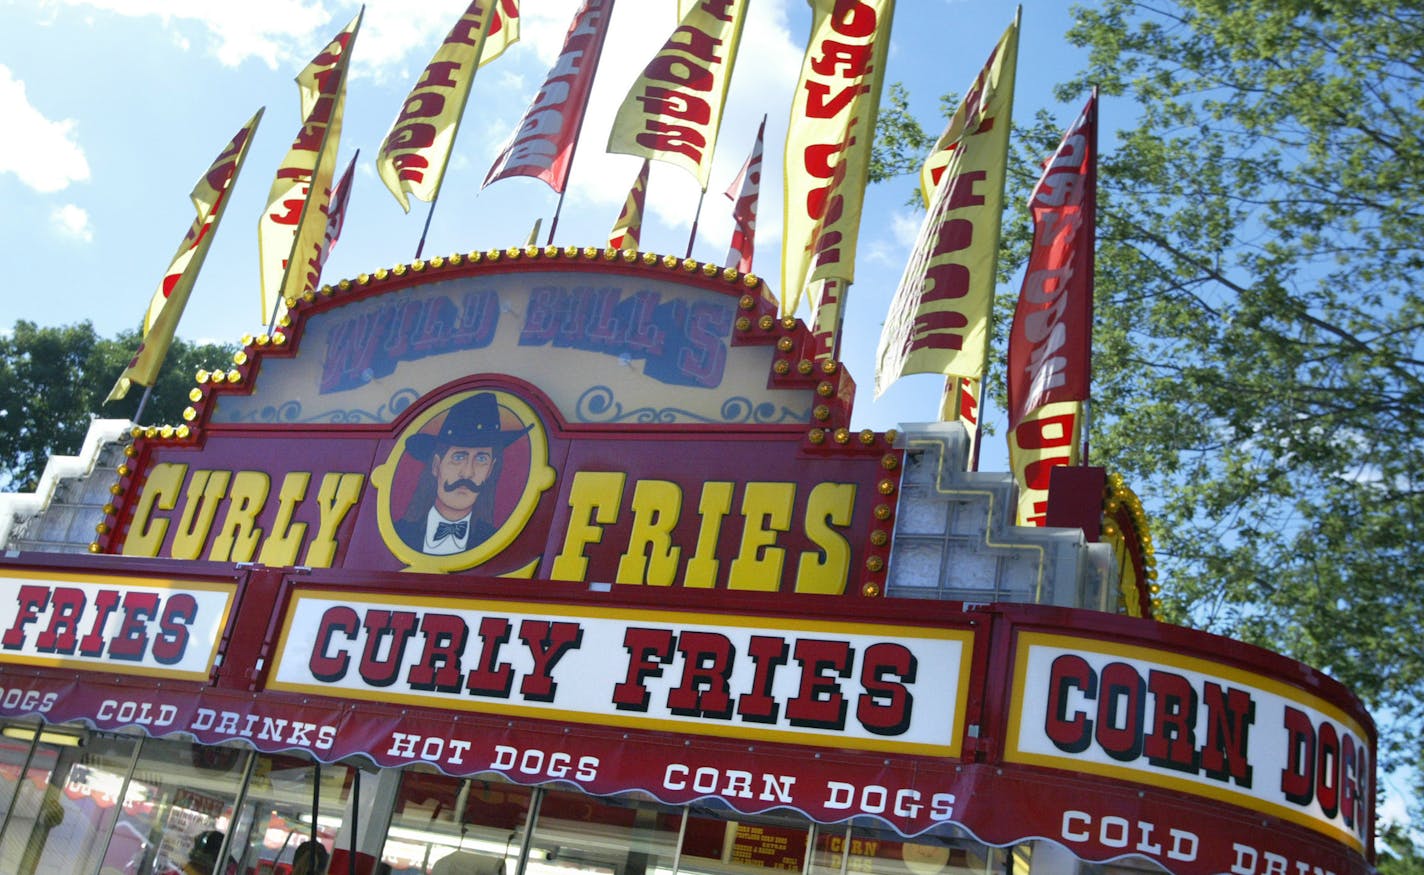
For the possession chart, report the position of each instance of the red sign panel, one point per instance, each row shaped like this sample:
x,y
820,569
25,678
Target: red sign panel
x,y
1112,737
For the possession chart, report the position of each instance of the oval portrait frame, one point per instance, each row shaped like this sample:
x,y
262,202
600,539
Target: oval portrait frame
x,y
512,409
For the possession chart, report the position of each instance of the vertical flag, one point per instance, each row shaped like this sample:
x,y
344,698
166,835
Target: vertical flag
x,y
503,30
335,217
674,109
629,226
1050,342
291,230
828,156
939,318
743,193
415,152
166,308
542,145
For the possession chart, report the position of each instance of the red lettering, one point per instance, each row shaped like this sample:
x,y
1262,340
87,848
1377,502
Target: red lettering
x,y
649,650
819,702
703,690
324,665
547,643
439,666
757,704
886,705
490,677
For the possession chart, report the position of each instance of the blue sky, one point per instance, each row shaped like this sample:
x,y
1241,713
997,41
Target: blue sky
x,y
112,108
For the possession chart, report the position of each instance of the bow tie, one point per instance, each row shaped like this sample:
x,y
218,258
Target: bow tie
x,y
443,530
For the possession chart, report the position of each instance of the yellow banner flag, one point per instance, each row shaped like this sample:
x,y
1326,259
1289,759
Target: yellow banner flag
x,y
291,231
939,319
161,321
414,154
960,403
503,30
629,227
674,109
828,153
1048,437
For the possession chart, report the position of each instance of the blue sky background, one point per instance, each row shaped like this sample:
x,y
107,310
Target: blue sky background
x,y
112,108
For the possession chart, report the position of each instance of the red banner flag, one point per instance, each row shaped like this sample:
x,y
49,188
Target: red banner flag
x,y
1050,342
335,218
743,193
629,226
542,146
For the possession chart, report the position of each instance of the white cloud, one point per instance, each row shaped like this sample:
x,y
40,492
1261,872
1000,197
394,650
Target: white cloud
x,y
270,31
72,221
43,153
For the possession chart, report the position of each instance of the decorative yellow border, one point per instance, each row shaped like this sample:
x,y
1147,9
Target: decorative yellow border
x,y
541,478
954,732
1012,752
121,666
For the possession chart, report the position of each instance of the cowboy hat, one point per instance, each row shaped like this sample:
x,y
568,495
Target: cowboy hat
x,y
470,422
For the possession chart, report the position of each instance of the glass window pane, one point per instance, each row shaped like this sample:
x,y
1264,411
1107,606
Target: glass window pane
x,y
727,842
631,834
275,820
67,804
477,823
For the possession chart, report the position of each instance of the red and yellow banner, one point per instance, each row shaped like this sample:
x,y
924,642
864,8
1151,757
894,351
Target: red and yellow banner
x,y
161,321
674,109
1048,437
629,226
939,319
413,157
743,193
292,228
1050,342
542,145
828,149
503,30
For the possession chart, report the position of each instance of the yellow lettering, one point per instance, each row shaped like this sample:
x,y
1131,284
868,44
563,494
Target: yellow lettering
x,y
594,495
200,506
282,545
145,536
715,504
335,498
766,508
651,556
825,572
238,536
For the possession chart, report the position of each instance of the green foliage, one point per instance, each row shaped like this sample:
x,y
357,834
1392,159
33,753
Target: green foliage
x,y
1259,327
1398,855
1259,349
53,381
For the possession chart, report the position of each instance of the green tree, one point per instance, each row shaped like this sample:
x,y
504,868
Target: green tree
x,y
1259,338
1259,349
53,381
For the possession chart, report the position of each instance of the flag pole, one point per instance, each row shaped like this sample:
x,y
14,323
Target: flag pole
x,y
696,217
420,247
143,402
1092,272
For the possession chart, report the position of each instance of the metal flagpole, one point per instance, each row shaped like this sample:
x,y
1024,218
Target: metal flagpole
x,y
142,402
696,217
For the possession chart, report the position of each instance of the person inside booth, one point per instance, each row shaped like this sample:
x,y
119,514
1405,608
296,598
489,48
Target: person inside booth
x,y
204,855
310,858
